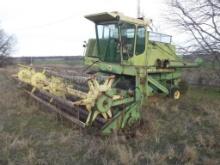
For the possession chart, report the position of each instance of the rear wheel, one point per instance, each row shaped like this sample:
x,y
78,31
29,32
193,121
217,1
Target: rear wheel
x,y
175,93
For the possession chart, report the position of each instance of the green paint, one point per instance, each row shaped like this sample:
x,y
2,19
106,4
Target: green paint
x,y
123,47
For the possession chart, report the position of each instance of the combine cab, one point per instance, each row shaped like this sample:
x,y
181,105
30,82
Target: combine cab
x,y
125,65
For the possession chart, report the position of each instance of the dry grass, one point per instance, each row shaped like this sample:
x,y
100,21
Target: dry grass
x,y
172,132
189,155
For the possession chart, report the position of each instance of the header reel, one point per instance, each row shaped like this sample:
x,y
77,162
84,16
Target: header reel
x,y
101,100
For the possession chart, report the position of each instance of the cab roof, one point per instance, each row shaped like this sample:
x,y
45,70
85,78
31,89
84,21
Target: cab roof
x,y
116,16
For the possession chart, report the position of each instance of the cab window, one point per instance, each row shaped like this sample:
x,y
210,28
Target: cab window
x,y
140,42
108,37
127,40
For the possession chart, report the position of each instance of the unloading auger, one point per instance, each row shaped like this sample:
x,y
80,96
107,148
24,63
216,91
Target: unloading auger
x,y
126,64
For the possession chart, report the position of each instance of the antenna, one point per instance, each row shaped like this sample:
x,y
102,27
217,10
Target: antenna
x,y
138,8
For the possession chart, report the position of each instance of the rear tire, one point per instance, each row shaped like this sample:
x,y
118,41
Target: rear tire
x,y
175,93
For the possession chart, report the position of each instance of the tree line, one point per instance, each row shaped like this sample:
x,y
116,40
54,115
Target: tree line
x,y
7,43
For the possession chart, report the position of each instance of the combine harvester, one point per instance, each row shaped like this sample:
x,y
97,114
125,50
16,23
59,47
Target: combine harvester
x,y
126,64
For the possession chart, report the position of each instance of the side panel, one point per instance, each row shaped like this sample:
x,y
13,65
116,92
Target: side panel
x,y
162,51
91,49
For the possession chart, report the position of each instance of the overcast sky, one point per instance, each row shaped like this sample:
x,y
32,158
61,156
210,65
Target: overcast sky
x,y
57,27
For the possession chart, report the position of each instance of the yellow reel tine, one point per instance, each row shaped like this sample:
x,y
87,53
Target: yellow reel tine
x,y
88,118
33,90
95,115
105,115
109,112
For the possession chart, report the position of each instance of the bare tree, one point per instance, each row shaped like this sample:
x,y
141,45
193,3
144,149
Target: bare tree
x,y
6,47
200,18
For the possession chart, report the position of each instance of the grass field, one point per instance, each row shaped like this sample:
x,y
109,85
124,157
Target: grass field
x,y
172,132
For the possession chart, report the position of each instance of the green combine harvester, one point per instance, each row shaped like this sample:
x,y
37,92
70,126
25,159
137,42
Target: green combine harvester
x,y
125,65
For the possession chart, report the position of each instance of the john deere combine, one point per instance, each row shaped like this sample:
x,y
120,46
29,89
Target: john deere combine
x,y
125,65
